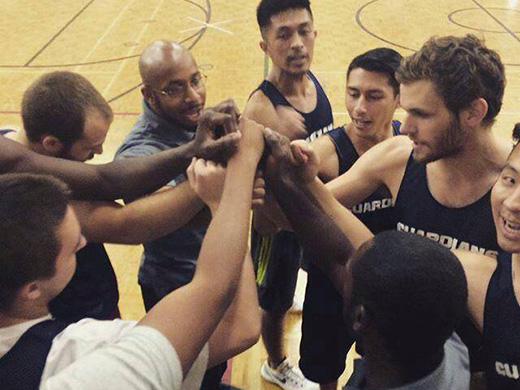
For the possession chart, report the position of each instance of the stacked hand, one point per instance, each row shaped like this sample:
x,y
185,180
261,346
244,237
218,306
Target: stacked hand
x,y
217,136
294,160
207,178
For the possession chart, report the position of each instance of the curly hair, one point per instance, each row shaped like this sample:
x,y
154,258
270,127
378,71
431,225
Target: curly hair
x,y
462,69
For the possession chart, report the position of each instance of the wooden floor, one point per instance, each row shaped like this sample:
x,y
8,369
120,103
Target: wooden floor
x,y
102,40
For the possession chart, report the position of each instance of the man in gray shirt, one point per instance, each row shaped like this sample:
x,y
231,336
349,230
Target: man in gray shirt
x,y
174,97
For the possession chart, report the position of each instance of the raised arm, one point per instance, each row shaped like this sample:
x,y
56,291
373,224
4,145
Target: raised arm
x,y
141,221
220,262
328,231
382,165
123,179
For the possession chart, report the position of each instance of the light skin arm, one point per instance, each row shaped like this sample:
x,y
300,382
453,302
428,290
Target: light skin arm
x,y
478,269
326,152
141,221
220,262
288,122
382,165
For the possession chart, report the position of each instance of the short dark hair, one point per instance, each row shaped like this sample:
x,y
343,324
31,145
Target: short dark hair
x,y
462,69
31,210
268,8
57,104
414,289
382,60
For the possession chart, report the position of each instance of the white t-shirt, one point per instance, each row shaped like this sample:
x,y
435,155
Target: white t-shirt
x,y
106,355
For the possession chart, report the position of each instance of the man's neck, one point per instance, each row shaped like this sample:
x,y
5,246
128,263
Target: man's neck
x,y
19,315
384,372
362,143
480,154
290,85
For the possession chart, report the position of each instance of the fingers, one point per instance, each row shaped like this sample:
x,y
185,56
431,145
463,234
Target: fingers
x,y
278,144
190,172
299,150
223,147
210,119
230,108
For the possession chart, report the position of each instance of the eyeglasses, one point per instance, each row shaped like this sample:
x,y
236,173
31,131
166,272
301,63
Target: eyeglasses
x,y
178,89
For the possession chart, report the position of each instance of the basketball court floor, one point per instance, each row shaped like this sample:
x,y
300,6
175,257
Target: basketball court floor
x,y
102,40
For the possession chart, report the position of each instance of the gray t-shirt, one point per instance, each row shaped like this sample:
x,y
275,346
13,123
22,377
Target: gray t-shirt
x,y
168,262
452,374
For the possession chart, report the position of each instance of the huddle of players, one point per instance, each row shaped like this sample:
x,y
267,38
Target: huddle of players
x,y
399,296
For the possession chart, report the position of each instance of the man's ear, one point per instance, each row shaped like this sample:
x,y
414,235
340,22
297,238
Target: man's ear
x,y
51,145
360,319
263,46
30,292
148,95
473,115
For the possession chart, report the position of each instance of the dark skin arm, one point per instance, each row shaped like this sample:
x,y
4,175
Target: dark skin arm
x,y
324,242
130,178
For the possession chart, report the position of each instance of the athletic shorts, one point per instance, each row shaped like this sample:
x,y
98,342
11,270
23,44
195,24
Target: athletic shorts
x,y
277,260
325,340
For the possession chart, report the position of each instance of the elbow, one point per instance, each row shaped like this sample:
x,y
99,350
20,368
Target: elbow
x,y
249,332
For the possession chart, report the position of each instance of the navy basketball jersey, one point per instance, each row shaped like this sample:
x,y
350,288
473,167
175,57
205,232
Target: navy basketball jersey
x,y
92,291
21,368
317,122
468,228
376,211
502,329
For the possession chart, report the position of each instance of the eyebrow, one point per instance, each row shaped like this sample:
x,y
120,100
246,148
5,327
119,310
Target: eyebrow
x,y
510,167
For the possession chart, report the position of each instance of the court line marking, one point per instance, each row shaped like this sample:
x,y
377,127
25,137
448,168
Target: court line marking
x,y
205,25
199,34
107,31
132,49
58,33
511,32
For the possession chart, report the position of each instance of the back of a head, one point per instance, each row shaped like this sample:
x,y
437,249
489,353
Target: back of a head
x,y
462,69
269,8
57,104
382,60
31,210
414,289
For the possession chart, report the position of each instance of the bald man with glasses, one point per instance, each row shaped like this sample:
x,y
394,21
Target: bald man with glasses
x,y
174,97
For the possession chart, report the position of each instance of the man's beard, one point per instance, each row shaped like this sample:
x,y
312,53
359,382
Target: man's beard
x,y
448,144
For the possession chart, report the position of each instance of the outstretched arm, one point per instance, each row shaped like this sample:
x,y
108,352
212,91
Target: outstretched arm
x,y
129,178
141,221
220,261
329,232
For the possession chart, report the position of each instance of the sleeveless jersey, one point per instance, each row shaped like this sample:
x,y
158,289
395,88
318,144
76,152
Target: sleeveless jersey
x,y
92,291
502,328
376,211
468,228
317,122
22,367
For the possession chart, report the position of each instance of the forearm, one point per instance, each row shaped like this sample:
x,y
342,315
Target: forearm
x,y
120,179
323,240
356,232
217,275
240,326
141,221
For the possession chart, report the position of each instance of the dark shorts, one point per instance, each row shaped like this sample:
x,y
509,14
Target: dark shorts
x,y
325,341
277,261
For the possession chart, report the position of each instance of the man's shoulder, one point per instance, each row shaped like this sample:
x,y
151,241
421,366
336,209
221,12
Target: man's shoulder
x,y
259,104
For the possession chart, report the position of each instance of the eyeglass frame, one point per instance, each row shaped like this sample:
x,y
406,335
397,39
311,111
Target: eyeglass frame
x,y
170,95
